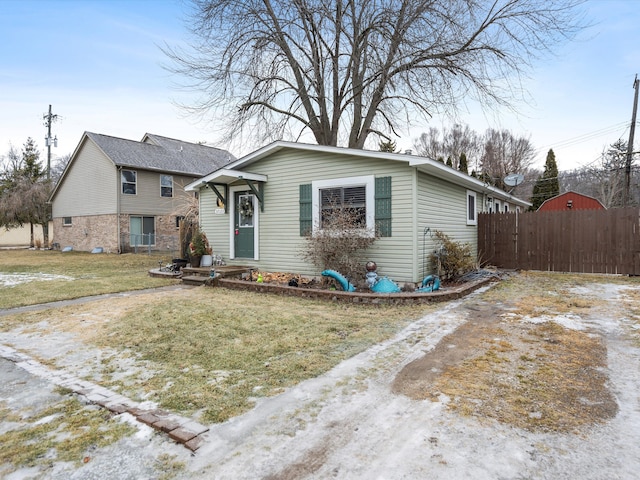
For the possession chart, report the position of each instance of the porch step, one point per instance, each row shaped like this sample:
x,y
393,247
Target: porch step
x,y
197,276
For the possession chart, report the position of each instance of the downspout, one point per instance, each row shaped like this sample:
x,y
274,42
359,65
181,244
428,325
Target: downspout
x,y
118,180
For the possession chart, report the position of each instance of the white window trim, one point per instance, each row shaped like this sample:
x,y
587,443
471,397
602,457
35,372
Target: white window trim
x,y
367,180
122,182
470,221
161,186
65,223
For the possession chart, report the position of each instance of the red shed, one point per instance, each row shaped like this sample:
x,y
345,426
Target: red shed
x,y
571,201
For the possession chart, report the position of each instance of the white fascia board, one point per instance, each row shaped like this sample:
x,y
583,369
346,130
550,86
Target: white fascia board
x,y
224,175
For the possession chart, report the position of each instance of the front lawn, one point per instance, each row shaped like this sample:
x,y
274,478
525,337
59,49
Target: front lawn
x,y
34,277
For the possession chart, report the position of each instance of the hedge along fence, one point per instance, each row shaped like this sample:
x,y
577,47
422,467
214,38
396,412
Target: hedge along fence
x,y
585,241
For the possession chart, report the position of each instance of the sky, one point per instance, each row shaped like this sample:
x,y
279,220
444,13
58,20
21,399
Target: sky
x,y
100,66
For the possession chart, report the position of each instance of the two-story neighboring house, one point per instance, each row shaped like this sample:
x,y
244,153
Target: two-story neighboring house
x,y
117,193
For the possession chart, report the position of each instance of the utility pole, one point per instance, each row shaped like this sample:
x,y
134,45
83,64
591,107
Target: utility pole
x,y
49,118
632,131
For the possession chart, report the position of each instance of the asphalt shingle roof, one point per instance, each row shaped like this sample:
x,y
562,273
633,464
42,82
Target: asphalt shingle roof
x,y
162,154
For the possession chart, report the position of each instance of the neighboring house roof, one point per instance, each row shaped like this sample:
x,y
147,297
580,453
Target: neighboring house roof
x,y
571,201
432,167
156,153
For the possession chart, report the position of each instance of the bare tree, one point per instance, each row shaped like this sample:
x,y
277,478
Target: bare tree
x,y
24,191
344,69
605,180
504,153
450,143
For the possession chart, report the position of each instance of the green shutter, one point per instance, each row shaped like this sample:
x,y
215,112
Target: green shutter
x,y
306,214
383,206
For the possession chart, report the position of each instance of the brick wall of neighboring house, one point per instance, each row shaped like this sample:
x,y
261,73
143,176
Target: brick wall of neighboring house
x,y
166,234
86,233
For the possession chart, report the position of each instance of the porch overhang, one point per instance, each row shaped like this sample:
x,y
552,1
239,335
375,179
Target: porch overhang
x,y
220,180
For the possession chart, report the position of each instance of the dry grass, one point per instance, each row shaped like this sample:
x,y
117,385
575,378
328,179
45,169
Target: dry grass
x,y
65,431
550,378
210,351
93,274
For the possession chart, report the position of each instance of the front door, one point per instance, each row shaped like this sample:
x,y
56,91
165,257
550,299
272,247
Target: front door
x,y
244,225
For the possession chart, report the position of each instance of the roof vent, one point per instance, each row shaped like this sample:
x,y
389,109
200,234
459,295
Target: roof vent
x,y
408,152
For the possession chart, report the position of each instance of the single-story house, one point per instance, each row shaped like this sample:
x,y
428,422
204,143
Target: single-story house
x,y
571,201
259,209
117,194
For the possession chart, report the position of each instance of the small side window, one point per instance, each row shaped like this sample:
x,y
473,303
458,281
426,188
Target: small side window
x,y
67,221
129,182
472,214
166,186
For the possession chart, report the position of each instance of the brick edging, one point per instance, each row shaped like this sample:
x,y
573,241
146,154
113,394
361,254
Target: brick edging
x,y
401,298
180,429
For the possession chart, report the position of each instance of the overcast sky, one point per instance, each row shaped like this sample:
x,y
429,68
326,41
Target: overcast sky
x,y
99,65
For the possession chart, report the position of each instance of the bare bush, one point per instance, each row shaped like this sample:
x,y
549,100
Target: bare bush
x,y
339,243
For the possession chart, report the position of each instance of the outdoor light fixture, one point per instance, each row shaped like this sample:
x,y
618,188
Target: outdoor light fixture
x,y
570,204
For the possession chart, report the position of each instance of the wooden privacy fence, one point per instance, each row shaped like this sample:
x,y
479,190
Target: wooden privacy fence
x,y
589,241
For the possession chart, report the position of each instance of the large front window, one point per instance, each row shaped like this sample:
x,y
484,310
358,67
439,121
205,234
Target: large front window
x,y
343,203
344,198
142,231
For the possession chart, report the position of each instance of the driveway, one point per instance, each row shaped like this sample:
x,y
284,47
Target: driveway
x,y
364,419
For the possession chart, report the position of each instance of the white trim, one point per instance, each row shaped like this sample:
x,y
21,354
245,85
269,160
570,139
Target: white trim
x,y
474,220
367,180
232,226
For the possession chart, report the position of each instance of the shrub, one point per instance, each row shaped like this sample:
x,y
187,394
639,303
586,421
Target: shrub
x,y
452,259
340,244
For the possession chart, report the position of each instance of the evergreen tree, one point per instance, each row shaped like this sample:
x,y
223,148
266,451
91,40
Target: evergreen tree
x,y
31,167
547,186
387,146
462,164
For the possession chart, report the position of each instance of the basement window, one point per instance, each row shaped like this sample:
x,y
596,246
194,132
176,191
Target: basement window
x,y
67,221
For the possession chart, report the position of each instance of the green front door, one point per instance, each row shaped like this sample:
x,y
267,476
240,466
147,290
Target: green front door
x,y
244,225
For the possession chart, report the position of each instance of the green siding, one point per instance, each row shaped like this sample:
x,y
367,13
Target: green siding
x,y
442,206
279,225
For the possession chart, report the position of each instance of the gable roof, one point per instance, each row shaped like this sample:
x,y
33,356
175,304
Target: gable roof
x,y
155,153
164,154
586,199
424,164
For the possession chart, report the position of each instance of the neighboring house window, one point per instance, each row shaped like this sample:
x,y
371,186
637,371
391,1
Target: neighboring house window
x,y
472,215
506,208
166,186
497,209
129,182
142,231
369,197
66,221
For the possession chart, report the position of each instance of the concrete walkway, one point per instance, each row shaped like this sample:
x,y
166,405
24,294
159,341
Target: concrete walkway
x,y
82,300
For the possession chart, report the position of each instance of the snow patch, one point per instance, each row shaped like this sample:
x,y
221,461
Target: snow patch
x,y
13,279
